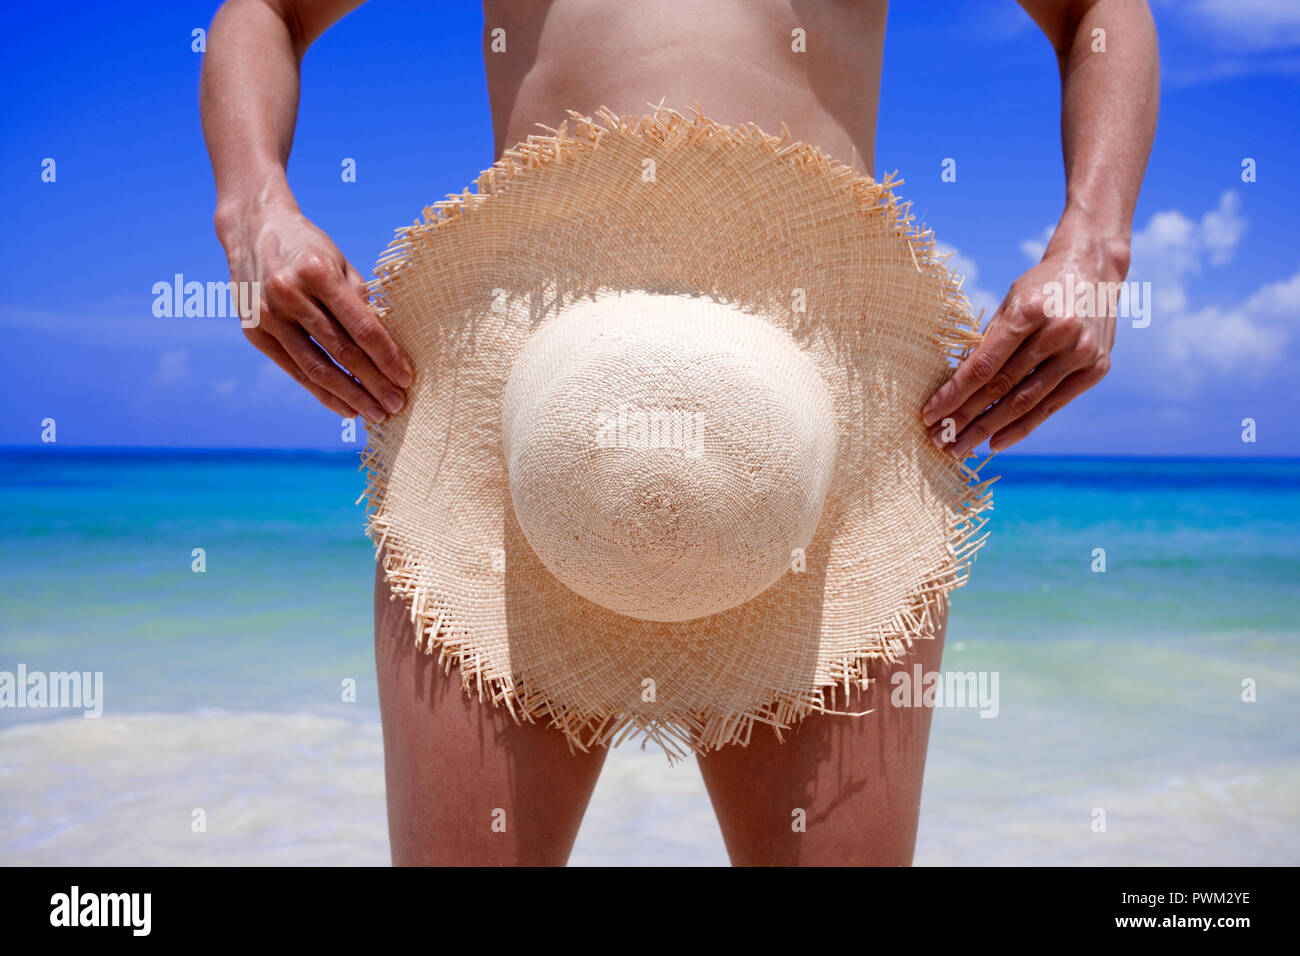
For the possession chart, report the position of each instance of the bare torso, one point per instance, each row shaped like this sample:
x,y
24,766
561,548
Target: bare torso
x,y
736,58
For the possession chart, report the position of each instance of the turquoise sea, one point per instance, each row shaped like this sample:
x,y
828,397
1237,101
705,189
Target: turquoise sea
x,y
1119,691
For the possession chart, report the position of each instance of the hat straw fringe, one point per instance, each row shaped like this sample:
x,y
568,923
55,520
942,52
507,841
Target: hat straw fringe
x,y
705,729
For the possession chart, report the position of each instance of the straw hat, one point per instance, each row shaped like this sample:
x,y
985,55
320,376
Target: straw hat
x,y
662,469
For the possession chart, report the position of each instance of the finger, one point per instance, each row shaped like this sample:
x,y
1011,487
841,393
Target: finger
x,y
977,370
352,311
1070,388
1022,400
265,343
323,373
1036,349
356,281
336,342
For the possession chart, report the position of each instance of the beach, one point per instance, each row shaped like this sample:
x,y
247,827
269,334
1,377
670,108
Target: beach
x,y
1145,712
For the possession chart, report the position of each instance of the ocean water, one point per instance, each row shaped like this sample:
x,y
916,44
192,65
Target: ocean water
x,y
1120,692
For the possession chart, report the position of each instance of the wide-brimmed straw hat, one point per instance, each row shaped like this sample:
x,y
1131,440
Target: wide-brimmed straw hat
x,y
662,468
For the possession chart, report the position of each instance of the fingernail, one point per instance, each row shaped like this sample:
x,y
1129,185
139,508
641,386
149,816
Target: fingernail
x,y
375,415
929,417
394,401
405,376
937,438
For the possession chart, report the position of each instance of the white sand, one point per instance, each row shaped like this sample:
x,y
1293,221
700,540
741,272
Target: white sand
x,y
305,789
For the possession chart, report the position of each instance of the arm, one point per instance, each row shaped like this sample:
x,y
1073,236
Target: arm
x,y
315,306
1031,364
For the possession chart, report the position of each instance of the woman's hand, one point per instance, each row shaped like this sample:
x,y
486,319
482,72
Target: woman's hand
x,y
315,312
1034,361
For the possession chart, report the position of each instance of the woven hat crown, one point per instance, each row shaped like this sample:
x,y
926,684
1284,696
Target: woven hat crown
x,y
667,454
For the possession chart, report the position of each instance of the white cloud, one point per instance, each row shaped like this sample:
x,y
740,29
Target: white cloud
x,y
1253,25
1277,300
1226,39
1172,247
173,367
1222,340
980,298
1187,341
1222,228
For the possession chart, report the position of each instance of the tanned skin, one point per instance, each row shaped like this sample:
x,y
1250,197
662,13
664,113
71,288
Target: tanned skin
x,y
450,761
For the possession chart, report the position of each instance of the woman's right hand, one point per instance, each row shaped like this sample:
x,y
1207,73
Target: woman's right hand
x,y
315,312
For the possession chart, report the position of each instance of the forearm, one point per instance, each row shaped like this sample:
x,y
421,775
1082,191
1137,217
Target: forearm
x,y
249,102
1034,357
1109,102
314,318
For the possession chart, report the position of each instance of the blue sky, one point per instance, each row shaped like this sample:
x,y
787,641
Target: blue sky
x,y
114,101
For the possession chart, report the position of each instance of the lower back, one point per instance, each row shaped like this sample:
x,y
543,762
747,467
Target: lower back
x,y
740,60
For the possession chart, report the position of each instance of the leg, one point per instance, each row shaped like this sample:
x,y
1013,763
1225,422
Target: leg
x,y
453,765
858,780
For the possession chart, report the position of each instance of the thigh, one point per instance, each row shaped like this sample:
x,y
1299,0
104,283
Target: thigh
x,y
466,784
857,781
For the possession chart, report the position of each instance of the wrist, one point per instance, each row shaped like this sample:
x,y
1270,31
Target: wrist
x,y
237,209
1101,240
